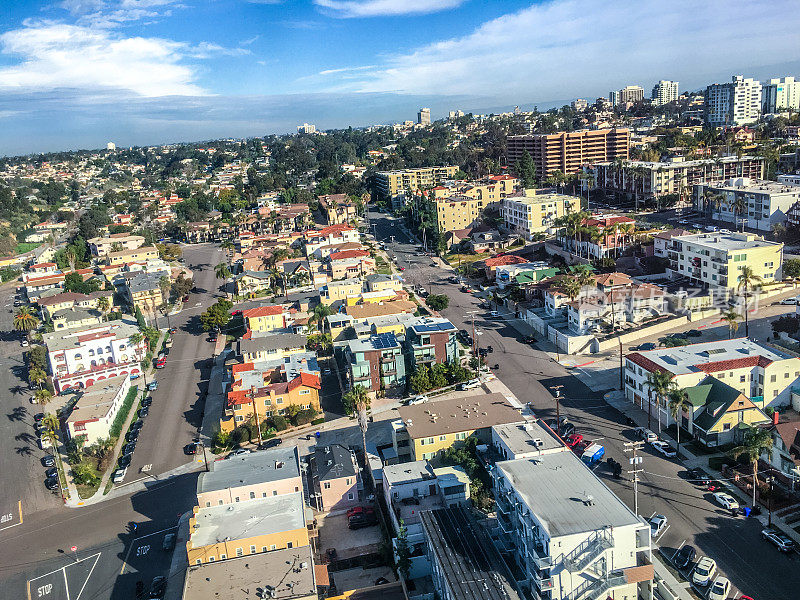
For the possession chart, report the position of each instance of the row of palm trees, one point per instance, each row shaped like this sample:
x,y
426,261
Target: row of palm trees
x,y
574,228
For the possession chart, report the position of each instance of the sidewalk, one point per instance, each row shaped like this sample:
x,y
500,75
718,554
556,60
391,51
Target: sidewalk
x,y
215,399
664,578
177,569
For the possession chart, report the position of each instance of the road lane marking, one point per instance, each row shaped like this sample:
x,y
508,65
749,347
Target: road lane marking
x,y
5,518
128,553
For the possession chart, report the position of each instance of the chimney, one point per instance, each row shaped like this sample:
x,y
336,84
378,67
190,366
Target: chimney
x,y
776,417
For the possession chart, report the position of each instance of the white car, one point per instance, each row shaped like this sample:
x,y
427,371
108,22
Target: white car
x,y
119,475
417,400
468,385
494,313
791,301
643,433
239,452
658,523
724,230
726,500
720,589
704,571
664,448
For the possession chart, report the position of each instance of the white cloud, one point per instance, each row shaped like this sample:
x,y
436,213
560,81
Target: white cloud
x,y
112,13
562,48
346,70
382,8
56,55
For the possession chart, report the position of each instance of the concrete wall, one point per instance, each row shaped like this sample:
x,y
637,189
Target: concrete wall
x,y
261,490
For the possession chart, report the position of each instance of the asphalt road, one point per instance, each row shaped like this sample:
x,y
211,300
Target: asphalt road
x,y
734,542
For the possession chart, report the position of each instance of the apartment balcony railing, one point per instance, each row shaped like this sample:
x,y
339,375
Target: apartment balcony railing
x,y
539,559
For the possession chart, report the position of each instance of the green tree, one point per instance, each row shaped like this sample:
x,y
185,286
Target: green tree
x,y
420,379
25,320
37,357
731,317
658,383
43,396
756,442
403,551
354,397
437,301
678,402
570,287
137,312
438,376
37,377
216,316
791,268
221,271
526,170
747,281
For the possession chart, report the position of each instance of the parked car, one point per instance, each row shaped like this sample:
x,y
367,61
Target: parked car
x,y
143,412
152,386
191,449
158,587
410,500
160,363
685,557
137,425
417,400
51,483
782,542
529,339
360,510
703,571
239,452
647,346
693,333
566,430
147,402
134,376
664,448
125,461
48,460
38,418
119,475
51,472
24,343
494,313
658,523
643,433
719,589
132,435
270,443
128,448
359,521
792,301
698,477
574,439
468,385
169,542
726,500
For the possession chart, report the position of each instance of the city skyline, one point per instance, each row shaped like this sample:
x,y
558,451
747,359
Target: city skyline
x,y
78,73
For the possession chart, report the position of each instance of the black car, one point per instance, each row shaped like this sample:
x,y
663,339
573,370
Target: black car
x,y
143,412
51,483
132,435
137,425
489,349
410,500
361,520
191,449
48,460
693,333
685,557
125,461
147,402
158,587
698,477
128,448
38,417
647,346
529,339
567,429
271,443
51,472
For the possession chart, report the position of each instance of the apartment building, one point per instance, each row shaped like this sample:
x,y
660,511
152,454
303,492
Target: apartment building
x,y
630,94
103,246
389,184
336,478
93,415
431,340
570,536
716,259
65,300
425,430
272,345
247,528
339,291
264,319
616,234
649,180
665,92
338,208
763,374
143,291
734,103
263,474
140,254
424,116
534,212
458,212
767,202
525,440
568,152
380,282
614,305
347,264
780,94
315,240
80,357
376,363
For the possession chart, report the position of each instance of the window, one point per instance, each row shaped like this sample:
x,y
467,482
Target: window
x,y
442,438
252,495
726,426
274,492
219,502
208,504
774,393
252,549
239,552
326,485
786,375
223,556
741,378
348,481
210,559
772,378
197,561
279,401
263,494
263,548
304,392
350,496
236,499
296,489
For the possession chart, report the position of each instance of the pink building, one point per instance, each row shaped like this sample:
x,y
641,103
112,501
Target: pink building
x,y
336,479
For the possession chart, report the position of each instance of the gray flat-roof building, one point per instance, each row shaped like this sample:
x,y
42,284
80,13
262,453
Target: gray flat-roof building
x,y
525,439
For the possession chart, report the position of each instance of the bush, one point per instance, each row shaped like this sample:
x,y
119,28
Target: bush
x,y
279,422
119,420
84,474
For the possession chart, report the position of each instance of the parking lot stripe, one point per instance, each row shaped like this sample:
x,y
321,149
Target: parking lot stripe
x,y
66,583
19,506
96,560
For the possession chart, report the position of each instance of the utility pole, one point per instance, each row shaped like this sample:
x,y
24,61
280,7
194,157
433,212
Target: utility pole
x,y
255,413
634,461
557,389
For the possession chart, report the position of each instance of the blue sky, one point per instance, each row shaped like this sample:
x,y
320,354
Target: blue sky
x,y
78,73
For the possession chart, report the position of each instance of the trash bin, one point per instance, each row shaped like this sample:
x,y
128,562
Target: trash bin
x,y
746,511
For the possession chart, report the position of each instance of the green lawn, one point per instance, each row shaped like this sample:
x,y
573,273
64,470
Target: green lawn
x,y
23,247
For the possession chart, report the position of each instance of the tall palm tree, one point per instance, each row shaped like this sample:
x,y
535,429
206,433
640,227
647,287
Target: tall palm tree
x,y
585,277
739,208
570,287
71,257
731,317
221,271
756,442
357,399
659,384
37,377
25,320
320,312
103,304
627,230
43,396
277,280
748,280
678,402
611,231
51,428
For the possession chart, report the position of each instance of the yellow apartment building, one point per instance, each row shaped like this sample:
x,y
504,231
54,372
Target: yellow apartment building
x,y
272,399
264,319
246,528
536,212
271,346
391,183
142,254
458,212
340,290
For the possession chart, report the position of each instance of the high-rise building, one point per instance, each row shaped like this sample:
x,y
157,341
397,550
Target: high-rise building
x,y
569,151
734,103
424,116
579,104
455,114
779,94
630,93
306,128
665,92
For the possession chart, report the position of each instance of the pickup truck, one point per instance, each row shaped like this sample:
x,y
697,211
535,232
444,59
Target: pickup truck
x,y
593,454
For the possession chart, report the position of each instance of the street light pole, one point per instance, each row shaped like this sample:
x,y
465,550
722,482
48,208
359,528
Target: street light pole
x,y
770,480
557,389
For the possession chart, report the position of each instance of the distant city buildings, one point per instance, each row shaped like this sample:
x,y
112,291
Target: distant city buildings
x,y
734,103
627,95
306,128
665,92
424,116
579,104
111,146
780,94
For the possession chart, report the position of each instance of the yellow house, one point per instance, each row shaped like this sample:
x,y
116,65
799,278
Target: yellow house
x,y
248,527
339,290
370,297
272,346
379,282
142,254
337,326
264,318
425,430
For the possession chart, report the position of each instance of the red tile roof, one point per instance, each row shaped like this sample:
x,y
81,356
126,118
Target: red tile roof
x,y
506,259
345,254
646,363
248,366
735,363
305,380
262,311
330,230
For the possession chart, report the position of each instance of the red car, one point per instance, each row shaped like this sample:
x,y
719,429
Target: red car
x,y
574,439
236,312
160,363
359,510
402,268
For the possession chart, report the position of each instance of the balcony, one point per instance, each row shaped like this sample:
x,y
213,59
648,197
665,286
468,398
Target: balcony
x,y
545,584
539,558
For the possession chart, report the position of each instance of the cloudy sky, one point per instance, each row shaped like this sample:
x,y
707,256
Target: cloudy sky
x,y
79,73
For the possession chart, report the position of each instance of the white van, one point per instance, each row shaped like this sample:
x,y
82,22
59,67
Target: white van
x,y
119,475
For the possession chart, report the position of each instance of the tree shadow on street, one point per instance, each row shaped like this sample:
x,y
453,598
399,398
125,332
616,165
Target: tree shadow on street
x,y
18,414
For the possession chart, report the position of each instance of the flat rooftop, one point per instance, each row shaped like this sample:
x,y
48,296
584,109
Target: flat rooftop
x,y
288,573
409,472
457,414
757,186
467,558
248,519
264,466
528,436
554,487
61,340
730,242
708,357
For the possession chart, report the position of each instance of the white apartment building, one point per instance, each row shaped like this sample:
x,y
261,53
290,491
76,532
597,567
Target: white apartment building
x,y
780,94
628,94
424,116
765,374
734,103
665,92
306,128
93,415
570,536
83,356
768,202
524,440
103,246
534,213
789,179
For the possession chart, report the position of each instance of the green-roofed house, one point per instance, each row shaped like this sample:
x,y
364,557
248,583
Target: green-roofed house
x,y
535,275
720,413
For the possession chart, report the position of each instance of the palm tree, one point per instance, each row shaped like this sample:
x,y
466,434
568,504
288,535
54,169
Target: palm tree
x,y
747,281
25,320
277,280
320,312
731,317
71,257
678,401
43,396
627,230
659,383
570,287
103,304
585,278
756,442
51,428
221,271
611,231
357,399
37,377
739,207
